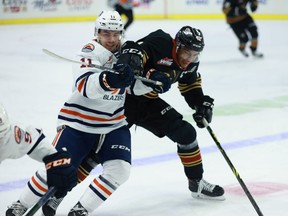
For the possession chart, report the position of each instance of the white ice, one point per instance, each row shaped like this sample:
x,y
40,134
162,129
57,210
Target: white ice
x,y
250,115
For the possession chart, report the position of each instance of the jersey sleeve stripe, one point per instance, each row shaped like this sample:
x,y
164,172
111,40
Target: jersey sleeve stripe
x,y
88,117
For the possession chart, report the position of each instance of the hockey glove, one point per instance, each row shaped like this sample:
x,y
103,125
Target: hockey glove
x,y
253,6
110,81
60,172
152,74
132,54
205,110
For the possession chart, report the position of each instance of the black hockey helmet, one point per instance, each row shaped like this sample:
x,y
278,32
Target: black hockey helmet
x,y
191,38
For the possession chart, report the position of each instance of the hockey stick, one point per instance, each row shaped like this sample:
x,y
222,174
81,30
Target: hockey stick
x,y
244,187
41,202
52,54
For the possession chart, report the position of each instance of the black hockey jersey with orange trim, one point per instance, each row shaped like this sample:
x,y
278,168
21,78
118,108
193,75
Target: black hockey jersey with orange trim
x,y
160,54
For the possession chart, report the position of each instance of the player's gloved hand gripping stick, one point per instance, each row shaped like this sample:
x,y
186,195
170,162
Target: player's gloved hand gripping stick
x,y
99,67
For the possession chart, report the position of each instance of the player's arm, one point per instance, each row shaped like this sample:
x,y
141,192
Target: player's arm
x,y
227,7
33,142
254,5
231,8
190,88
93,82
136,56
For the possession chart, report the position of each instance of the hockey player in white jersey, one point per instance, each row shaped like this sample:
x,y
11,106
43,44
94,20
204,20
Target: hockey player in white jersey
x,y
92,118
15,142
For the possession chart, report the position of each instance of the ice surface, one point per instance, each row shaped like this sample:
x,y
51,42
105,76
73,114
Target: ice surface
x,y
250,115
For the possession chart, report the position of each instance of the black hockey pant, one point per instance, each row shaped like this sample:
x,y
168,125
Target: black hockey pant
x,y
161,119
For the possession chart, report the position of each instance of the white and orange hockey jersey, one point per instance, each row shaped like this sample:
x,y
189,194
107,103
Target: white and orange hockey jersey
x,y
18,142
90,108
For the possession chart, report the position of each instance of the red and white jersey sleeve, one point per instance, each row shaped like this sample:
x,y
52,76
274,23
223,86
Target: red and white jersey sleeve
x,y
19,141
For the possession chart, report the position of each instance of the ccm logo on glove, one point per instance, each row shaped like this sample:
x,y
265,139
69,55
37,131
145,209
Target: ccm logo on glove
x,y
60,172
58,162
132,51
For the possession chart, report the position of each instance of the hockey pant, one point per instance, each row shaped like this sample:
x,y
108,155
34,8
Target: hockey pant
x,y
160,118
245,30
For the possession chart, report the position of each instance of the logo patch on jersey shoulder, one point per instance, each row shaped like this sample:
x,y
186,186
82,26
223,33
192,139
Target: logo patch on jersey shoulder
x,y
18,133
166,61
88,48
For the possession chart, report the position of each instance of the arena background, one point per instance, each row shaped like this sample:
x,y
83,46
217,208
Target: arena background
x,y
40,11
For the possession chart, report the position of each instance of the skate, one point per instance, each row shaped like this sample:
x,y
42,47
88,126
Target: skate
x,y
244,53
78,210
16,209
49,208
255,53
202,189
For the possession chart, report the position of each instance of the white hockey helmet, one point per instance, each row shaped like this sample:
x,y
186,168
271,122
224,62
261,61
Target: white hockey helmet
x,y
109,20
4,121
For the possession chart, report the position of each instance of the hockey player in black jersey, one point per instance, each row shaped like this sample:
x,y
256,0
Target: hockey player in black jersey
x,y
172,60
243,24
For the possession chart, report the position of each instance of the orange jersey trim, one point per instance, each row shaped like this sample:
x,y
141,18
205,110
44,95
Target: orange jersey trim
x,y
81,84
70,112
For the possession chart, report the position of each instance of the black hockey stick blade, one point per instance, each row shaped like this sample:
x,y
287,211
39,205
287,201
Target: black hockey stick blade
x,y
41,202
241,182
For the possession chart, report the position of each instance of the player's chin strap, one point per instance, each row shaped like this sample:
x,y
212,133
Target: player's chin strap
x,y
244,187
52,54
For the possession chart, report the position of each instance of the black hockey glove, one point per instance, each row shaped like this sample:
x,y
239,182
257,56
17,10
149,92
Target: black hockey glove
x,y
110,81
204,111
60,172
253,6
132,54
158,76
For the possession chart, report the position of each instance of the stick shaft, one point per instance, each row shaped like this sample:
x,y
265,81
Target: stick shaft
x,y
52,54
41,202
241,182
